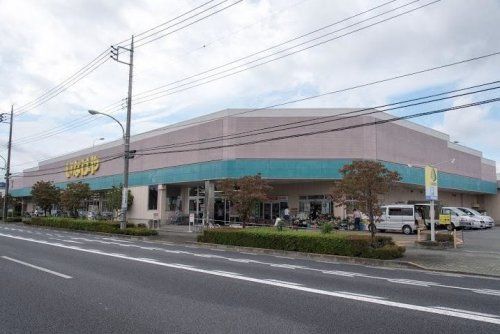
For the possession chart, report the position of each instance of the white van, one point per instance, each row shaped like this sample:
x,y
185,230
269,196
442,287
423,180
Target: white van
x,y
398,217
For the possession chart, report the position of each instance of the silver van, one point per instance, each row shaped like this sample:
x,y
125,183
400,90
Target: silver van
x,y
398,217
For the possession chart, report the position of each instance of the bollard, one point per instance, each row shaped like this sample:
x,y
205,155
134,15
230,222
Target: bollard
x,y
454,238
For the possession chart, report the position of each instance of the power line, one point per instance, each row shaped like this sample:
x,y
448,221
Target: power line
x,y
139,95
333,118
61,168
45,134
187,25
394,119
396,77
165,23
359,86
164,93
83,72
319,120
67,83
76,123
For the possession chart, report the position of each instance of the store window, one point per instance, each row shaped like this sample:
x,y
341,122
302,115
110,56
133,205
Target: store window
x,y
274,207
313,205
153,197
197,201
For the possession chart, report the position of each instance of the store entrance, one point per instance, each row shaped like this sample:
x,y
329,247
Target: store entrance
x,y
315,209
221,211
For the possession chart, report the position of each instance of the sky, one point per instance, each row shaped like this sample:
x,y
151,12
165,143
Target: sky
x,y
45,42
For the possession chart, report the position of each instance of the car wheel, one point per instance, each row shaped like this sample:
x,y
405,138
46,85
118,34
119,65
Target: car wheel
x,y
372,228
407,230
450,227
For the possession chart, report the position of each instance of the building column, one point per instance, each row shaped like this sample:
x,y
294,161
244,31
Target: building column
x,y
209,200
162,203
185,200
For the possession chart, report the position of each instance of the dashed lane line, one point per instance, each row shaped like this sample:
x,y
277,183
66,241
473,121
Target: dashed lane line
x,y
457,313
37,267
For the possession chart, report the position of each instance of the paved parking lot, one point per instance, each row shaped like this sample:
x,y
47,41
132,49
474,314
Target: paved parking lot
x,y
479,254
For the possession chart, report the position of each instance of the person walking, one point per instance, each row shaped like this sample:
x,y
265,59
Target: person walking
x,y
286,215
357,219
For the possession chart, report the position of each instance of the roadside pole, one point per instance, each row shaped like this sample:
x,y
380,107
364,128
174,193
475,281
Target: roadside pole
x,y
127,155
433,228
431,193
7,168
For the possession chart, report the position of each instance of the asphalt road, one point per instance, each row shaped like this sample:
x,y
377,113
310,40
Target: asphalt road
x,y
66,282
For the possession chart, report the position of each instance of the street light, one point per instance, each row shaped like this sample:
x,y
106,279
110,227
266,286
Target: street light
x,y
98,139
95,112
126,157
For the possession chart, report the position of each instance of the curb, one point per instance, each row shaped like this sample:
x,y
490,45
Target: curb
x,y
314,256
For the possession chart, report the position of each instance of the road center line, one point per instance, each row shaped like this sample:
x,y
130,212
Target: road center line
x,y
463,314
37,267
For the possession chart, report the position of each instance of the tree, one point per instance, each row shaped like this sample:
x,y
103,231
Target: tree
x,y
244,194
45,194
362,183
114,198
73,196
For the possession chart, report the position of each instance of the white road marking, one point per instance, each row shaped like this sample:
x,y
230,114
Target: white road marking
x,y
292,267
469,312
463,314
339,273
239,260
287,266
37,267
487,292
70,241
361,295
283,282
411,282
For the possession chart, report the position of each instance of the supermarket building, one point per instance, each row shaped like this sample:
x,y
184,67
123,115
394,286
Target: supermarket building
x,y
176,167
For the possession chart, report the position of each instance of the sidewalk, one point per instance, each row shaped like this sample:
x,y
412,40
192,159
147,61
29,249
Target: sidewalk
x,y
175,233
480,253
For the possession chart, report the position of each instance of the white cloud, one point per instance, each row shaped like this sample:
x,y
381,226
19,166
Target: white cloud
x,y
43,43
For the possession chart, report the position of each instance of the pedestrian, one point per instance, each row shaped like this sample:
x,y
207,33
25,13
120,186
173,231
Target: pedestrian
x,y
357,219
286,215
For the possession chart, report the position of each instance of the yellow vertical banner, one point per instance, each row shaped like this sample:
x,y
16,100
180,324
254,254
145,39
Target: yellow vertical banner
x,y
431,183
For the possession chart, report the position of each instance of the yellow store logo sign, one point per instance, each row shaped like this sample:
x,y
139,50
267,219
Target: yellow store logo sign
x,y
83,167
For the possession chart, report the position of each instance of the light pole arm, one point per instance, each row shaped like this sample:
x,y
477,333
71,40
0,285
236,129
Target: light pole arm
x,y
94,112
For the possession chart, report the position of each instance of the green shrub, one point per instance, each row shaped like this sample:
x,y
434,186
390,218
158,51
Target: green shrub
x,y
326,228
89,225
303,241
386,252
14,219
442,237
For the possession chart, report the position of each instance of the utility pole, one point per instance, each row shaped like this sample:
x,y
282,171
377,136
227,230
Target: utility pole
x,y
7,168
126,139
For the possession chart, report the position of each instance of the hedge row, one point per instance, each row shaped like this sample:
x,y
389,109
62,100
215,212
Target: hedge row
x,y
14,219
86,225
308,242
